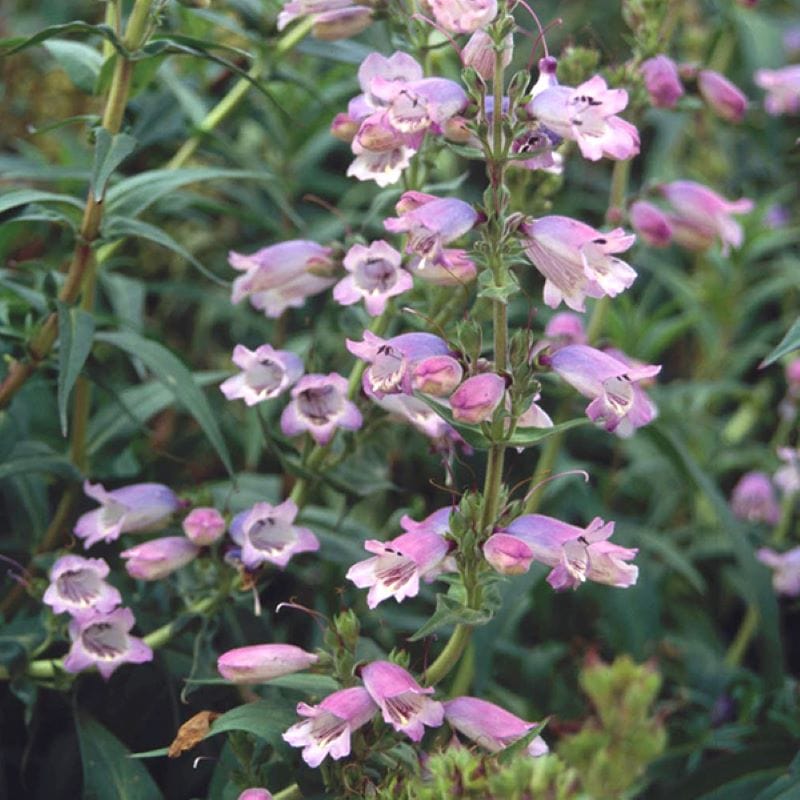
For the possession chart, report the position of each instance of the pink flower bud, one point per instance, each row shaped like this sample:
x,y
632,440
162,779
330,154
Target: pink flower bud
x,y
651,223
158,558
479,54
437,375
725,99
255,794
478,397
455,130
344,128
263,662
204,526
508,555
754,499
662,81
341,23
566,328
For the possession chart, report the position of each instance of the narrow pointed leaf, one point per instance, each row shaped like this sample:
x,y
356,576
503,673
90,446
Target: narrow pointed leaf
x,y
788,344
75,335
109,152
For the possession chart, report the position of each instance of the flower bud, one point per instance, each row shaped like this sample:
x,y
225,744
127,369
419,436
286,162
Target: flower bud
x,y
344,128
158,558
662,81
479,53
255,793
341,23
204,526
651,223
263,662
437,375
508,555
477,398
725,99
455,130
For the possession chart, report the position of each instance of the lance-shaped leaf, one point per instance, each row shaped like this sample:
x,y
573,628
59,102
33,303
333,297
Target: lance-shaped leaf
x,y
75,335
109,152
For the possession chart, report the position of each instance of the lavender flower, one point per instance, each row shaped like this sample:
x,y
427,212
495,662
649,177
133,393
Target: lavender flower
x,y
375,276
158,558
77,587
398,565
575,554
463,16
782,87
263,662
267,533
320,406
204,526
651,223
724,98
565,328
139,507
266,373
785,567
102,640
281,276
476,399
662,81
754,499
489,725
405,705
329,725
576,260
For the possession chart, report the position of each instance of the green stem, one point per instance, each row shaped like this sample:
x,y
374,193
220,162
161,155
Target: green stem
x,y
449,657
748,628
787,512
289,793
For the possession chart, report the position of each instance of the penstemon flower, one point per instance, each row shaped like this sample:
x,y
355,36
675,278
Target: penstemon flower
x,y
700,215
575,554
204,526
262,662
476,399
320,406
398,565
375,276
785,569
489,725
77,586
587,115
103,640
255,793
576,260
618,402
266,373
724,98
327,729
782,87
139,507
754,499
565,328
405,705
662,81
463,16
282,275
158,558
266,533
651,223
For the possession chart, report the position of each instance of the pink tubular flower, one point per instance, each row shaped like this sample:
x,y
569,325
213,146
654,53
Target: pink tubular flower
x,y
158,558
375,276
782,87
438,522
139,507
701,215
662,81
430,223
576,260
454,268
651,223
204,526
587,115
489,725
327,729
566,328
320,406
405,705
266,373
267,533
394,363
262,662
77,587
575,554
103,641
724,98
332,19
282,275
786,569
787,477
476,399
617,401
398,565
754,499
255,793
463,16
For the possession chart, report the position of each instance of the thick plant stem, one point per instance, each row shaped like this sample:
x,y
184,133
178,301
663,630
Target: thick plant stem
x,y
289,793
449,657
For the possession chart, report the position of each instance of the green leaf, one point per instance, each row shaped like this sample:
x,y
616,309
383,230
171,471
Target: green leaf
x,y
36,457
525,437
109,152
264,719
21,197
117,227
17,43
450,612
108,771
131,196
786,787
75,334
309,684
789,343
80,61
171,371
158,753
